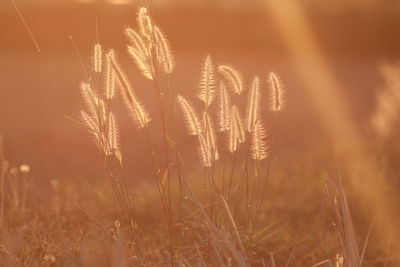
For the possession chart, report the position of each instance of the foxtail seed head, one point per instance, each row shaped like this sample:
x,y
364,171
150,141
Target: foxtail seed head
x,y
253,105
233,77
258,143
277,92
192,121
97,58
211,138
237,133
165,56
110,75
224,108
137,110
207,82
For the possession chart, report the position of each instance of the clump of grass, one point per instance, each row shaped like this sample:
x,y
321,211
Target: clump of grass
x,y
348,254
213,215
151,52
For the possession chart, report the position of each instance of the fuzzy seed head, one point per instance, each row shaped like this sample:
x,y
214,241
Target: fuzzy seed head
x,y
210,137
224,108
207,82
136,109
204,151
277,92
233,77
91,123
140,52
253,105
89,97
165,56
237,133
142,63
102,113
97,58
192,121
112,136
137,42
258,143
110,75
145,23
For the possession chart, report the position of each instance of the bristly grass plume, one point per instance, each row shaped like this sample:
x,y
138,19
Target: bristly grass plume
x,y
97,60
149,47
224,114
139,114
145,23
110,75
253,105
210,137
277,92
164,52
207,82
258,143
191,118
140,53
233,77
237,133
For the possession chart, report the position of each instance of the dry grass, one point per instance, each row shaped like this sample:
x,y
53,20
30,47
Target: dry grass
x,y
222,213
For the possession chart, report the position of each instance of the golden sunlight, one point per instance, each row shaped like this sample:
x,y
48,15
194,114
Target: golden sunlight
x,y
116,2
199,133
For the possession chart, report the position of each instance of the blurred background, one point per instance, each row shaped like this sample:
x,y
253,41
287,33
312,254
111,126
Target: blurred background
x,y
37,90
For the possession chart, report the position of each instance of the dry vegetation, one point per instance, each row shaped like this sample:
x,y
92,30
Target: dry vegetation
x,y
219,214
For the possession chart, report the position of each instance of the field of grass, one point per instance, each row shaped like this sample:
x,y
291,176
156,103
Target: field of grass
x,y
206,176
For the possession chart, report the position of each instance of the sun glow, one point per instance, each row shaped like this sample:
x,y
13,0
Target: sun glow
x,y
199,132
114,2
